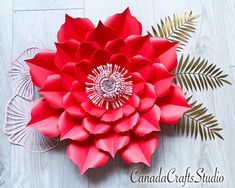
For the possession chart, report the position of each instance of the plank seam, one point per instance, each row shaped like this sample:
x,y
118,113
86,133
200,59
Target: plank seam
x,y
35,10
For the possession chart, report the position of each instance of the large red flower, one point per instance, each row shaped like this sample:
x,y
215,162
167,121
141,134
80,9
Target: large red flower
x,y
106,88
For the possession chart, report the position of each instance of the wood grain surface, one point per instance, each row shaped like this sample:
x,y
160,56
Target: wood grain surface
x,y
26,23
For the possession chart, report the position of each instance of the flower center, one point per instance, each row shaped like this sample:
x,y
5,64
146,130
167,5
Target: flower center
x,y
109,85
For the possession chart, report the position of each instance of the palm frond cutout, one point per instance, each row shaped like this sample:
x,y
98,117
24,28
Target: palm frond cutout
x,y
198,122
176,29
198,74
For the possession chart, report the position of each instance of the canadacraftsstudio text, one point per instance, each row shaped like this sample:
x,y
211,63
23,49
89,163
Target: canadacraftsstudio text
x,y
189,176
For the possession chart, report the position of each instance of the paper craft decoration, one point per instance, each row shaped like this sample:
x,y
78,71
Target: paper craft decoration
x,y
106,89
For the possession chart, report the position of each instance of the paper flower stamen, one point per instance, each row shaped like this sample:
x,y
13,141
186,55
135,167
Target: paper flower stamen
x,y
109,85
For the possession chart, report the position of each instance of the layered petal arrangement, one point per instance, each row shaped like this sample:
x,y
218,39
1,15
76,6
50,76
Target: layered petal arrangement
x,y
106,89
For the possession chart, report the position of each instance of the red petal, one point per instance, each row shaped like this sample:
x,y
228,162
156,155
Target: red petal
x,y
148,122
83,68
162,79
126,124
95,127
66,52
112,115
127,109
41,66
118,46
68,75
130,106
165,52
74,28
53,91
140,149
157,49
153,116
71,128
92,109
100,57
44,118
86,155
72,106
138,82
148,97
143,66
173,105
119,59
87,49
124,24
101,34
78,91
134,101
141,45
112,142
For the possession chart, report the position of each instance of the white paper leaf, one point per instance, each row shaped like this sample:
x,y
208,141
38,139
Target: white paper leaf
x,y
20,76
17,117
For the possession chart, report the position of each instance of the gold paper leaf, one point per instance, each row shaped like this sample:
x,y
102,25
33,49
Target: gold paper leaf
x,y
198,74
198,122
176,29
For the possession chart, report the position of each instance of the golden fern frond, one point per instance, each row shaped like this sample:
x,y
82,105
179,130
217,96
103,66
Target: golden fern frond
x,y
197,74
176,29
198,122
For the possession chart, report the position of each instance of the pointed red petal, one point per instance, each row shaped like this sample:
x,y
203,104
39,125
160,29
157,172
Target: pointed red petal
x,y
68,75
125,24
86,49
165,52
73,107
83,69
138,82
86,155
143,66
101,34
130,106
66,52
141,45
148,122
118,46
100,57
148,97
140,149
44,118
94,126
93,109
74,28
71,128
78,91
119,59
112,142
53,91
127,123
41,66
161,79
112,115
173,105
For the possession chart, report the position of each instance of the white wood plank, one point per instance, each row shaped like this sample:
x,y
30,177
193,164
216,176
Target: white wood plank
x,y
230,133
51,169
38,28
209,43
50,4
5,90
214,40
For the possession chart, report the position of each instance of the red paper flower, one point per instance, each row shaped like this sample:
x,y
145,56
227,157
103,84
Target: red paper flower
x,y
106,88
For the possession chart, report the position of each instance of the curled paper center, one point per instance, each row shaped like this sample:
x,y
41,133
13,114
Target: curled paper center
x,y
109,85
